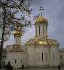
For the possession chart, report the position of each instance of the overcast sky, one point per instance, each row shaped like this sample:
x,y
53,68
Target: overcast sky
x,y
55,15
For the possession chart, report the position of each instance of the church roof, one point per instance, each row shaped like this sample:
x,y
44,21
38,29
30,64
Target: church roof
x,y
15,48
42,42
41,19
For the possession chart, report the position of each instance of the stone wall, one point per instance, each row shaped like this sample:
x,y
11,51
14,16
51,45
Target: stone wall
x,y
38,56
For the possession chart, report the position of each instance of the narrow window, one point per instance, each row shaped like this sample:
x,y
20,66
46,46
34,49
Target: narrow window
x,y
42,56
15,61
39,30
21,60
61,57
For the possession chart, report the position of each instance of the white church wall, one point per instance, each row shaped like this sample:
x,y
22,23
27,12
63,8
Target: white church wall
x,y
16,59
30,53
54,57
35,56
61,57
57,58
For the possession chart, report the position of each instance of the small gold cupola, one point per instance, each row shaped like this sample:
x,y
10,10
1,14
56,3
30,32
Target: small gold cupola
x,y
17,33
41,24
41,19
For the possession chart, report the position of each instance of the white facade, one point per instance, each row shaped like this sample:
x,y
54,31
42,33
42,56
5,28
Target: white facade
x,y
42,55
33,56
37,56
17,57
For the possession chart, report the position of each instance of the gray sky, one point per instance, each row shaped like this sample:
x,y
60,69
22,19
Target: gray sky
x,y
55,10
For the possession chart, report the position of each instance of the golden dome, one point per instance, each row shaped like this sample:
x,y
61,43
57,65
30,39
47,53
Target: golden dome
x,y
41,19
42,42
17,33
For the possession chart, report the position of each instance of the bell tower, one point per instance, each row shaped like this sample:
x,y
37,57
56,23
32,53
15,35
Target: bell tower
x,y
41,24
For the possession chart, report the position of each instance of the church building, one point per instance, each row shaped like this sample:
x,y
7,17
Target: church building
x,y
39,51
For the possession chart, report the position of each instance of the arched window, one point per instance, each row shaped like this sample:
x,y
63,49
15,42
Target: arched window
x,y
39,30
42,56
21,60
61,57
15,61
61,60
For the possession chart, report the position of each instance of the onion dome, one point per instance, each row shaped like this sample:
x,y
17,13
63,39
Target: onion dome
x,y
17,33
42,42
41,19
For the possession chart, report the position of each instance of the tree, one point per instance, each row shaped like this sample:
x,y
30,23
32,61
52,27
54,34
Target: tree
x,y
8,6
